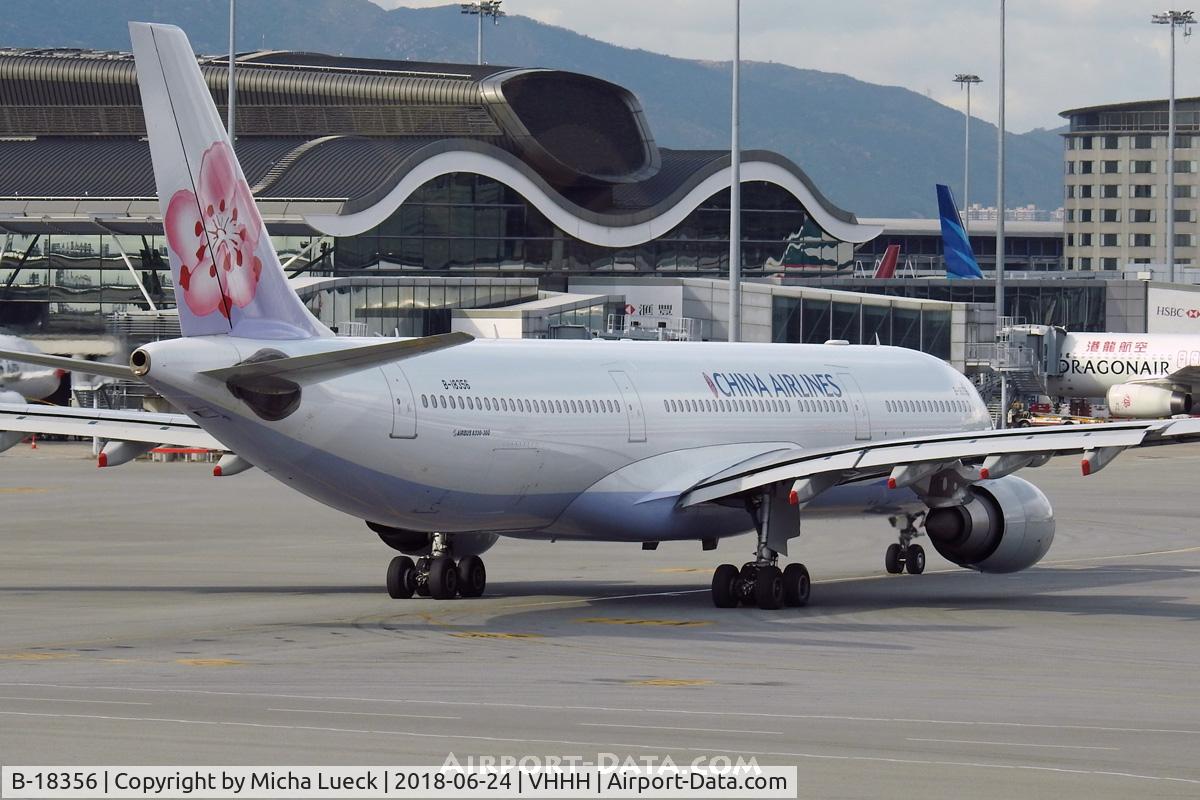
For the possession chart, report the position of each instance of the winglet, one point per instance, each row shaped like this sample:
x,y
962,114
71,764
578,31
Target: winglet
x,y
227,276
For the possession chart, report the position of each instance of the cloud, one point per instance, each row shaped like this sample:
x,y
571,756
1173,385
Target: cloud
x,y
1061,53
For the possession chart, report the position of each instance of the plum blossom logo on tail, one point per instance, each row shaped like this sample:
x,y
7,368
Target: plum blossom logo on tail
x,y
214,233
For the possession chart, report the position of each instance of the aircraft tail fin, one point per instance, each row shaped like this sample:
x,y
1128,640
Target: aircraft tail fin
x,y
956,246
887,264
227,276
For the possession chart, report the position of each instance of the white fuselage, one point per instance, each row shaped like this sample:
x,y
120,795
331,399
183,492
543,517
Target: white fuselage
x,y
31,383
1092,363
584,439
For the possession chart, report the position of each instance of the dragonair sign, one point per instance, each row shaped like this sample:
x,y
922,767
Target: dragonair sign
x,y
774,384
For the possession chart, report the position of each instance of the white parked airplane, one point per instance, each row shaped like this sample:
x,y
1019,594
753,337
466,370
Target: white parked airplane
x,y
1139,375
19,383
443,444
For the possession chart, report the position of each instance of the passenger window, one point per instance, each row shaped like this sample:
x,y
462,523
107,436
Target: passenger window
x,y
424,403
442,398
471,404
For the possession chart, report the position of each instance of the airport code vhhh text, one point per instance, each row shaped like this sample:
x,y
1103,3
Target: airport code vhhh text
x,y
517,780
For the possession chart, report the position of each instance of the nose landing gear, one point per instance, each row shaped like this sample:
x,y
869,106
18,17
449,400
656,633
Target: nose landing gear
x,y
436,575
904,555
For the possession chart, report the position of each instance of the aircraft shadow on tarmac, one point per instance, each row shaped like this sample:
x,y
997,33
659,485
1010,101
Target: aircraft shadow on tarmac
x,y
1051,590
685,613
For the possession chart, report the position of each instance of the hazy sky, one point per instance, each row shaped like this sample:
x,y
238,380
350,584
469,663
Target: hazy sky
x,y
1061,53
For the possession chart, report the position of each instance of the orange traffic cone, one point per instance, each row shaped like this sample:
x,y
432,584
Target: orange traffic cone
x,y
33,442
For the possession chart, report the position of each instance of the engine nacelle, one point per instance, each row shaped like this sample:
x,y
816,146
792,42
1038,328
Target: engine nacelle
x,y
1006,526
1138,400
419,543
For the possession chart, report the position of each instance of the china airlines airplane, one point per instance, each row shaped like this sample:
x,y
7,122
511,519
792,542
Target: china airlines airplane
x,y
443,444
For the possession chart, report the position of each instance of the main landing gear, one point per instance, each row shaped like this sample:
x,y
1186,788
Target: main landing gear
x,y
761,582
436,575
904,555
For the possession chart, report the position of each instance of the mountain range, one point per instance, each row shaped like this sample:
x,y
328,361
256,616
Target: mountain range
x,y
874,150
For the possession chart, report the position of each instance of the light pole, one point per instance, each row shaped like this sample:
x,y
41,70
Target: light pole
x,y
965,79
481,9
1000,224
1174,19
735,189
232,91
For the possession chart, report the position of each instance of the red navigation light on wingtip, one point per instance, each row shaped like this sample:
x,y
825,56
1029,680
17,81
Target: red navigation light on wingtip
x,y
984,473
891,483
1085,467
217,471
102,460
793,498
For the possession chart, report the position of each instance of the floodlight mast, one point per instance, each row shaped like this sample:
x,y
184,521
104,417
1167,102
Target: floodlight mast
x,y
1003,421
481,9
232,99
735,188
965,79
1175,19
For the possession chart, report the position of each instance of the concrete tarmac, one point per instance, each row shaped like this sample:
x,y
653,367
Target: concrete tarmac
x,y
151,614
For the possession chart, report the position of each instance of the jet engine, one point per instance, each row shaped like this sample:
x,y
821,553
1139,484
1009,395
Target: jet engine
x,y
1006,526
1140,400
417,543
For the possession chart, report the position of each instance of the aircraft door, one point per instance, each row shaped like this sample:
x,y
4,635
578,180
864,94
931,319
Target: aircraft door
x,y
858,406
404,405
632,403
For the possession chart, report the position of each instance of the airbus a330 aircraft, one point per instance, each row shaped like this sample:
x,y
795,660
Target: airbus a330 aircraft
x,y
442,444
19,383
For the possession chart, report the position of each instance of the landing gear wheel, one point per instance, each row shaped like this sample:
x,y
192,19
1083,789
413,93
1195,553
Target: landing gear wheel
x,y
914,560
768,588
723,594
472,577
443,578
401,578
893,559
797,586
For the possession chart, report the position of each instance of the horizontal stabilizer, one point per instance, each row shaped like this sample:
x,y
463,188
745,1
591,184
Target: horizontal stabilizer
x,y
79,365
332,363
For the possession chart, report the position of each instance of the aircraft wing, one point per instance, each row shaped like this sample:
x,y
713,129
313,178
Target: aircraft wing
x,y
972,456
114,425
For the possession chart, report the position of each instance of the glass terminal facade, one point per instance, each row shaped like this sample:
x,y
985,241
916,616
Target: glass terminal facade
x,y
466,223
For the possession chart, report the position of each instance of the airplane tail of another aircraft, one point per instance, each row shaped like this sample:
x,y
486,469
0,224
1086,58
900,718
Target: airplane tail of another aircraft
x,y
956,246
887,264
227,277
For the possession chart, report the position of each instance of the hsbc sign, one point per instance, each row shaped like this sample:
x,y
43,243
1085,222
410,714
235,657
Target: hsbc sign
x,y
1172,311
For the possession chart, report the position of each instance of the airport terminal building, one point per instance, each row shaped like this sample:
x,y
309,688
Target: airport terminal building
x,y
455,185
